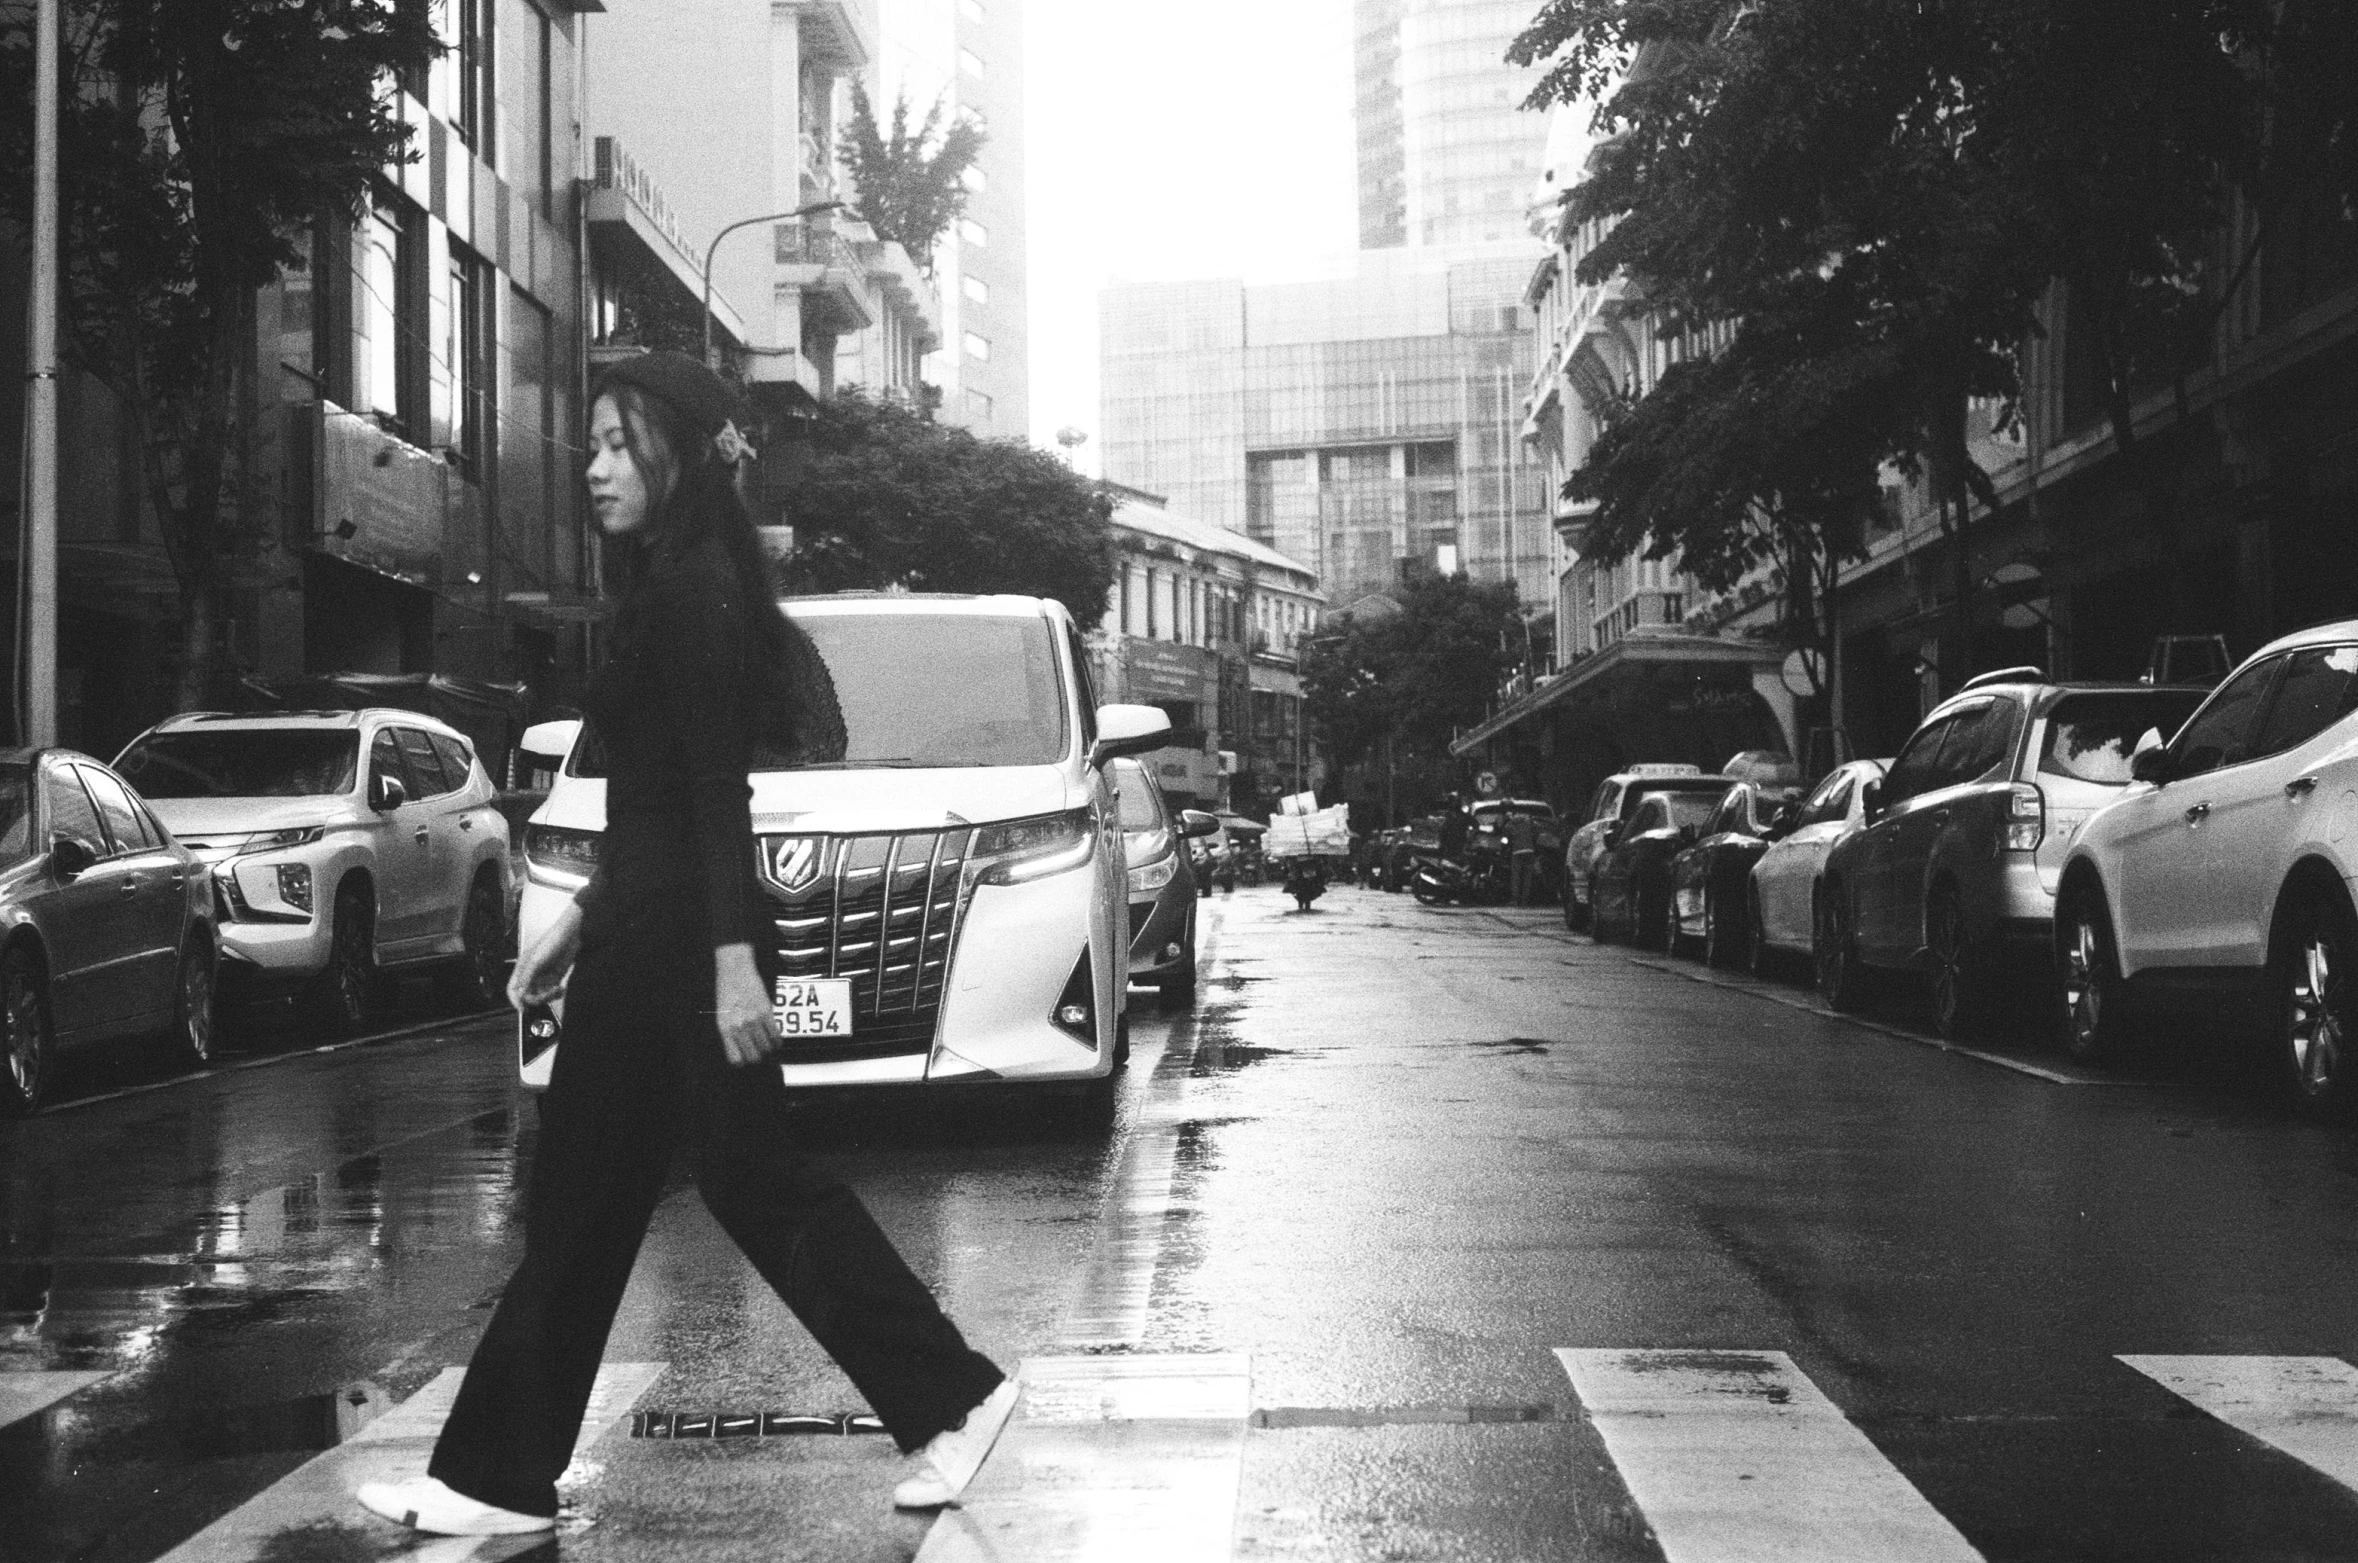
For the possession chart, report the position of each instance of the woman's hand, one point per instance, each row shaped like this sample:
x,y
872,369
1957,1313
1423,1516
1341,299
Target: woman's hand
x,y
541,969
741,1006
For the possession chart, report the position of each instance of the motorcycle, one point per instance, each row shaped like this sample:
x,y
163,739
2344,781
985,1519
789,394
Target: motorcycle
x,y
1437,881
1305,880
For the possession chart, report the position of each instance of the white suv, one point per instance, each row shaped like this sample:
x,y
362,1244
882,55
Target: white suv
x,y
948,890
343,844
2224,871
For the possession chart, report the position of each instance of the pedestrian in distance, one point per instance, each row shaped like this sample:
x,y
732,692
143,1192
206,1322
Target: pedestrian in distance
x,y
1522,835
665,962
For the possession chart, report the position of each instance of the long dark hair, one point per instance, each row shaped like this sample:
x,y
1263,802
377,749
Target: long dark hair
x,y
692,494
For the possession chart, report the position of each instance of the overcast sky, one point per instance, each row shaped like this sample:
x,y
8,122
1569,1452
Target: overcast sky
x,y
1211,139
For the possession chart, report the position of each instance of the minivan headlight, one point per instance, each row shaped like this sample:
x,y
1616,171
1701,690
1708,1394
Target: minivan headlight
x,y
1017,851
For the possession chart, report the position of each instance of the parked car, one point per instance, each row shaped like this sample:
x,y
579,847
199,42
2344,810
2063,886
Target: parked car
x,y
1162,891
2224,869
1710,881
1955,864
345,846
106,922
1617,797
951,888
1629,888
1490,820
1782,907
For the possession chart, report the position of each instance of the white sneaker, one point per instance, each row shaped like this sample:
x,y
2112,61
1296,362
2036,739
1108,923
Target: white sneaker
x,y
427,1505
949,1460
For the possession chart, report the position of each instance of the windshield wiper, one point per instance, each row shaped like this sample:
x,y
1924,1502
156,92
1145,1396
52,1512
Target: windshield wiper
x,y
895,763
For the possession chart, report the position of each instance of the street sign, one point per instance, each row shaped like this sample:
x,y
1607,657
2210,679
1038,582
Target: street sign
x,y
1804,672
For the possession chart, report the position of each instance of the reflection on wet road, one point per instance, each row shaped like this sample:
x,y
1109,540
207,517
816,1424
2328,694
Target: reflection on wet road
x,y
1430,1233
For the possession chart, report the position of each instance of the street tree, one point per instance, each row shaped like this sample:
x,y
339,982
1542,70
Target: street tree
x,y
1413,677
1872,197
884,497
201,142
910,185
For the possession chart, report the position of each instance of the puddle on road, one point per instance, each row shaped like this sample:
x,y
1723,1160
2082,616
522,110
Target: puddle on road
x,y
1517,1045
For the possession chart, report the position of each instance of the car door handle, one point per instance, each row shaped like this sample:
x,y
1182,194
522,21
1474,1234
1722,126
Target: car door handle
x,y
2198,813
128,884
2300,786
466,824
422,833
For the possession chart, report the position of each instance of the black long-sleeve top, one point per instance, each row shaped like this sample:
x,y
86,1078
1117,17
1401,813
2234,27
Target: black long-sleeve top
x,y
676,708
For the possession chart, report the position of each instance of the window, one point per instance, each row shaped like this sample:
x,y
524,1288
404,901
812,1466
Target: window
x,y
69,809
1733,813
466,359
458,764
974,179
978,347
242,763
384,759
1831,801
380,311
2091,737
474,110
1981,742
975,288
1917,768
123,824
2319,688
2221,732
973,232
979,406
424,764
970,62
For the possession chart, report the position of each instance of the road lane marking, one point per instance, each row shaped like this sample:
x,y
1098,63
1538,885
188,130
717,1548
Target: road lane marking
x,y
1736,1457
2020,1066
295,1515
1109,1460
25,1394
2306,1407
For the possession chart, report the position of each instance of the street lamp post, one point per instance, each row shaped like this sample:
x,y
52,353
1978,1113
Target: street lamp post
x,y
713,248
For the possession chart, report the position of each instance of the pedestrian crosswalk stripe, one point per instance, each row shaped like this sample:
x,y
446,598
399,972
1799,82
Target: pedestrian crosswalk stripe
x,y
2305,1406
1109,1460
23,1394
316,1497
1736,1457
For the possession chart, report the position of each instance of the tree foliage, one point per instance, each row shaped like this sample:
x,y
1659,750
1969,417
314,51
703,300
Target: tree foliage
x,y
885,497
910,184
200,142
1414,676
1876,195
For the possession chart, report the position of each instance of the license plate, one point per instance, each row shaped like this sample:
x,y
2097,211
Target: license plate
x,y
808,1007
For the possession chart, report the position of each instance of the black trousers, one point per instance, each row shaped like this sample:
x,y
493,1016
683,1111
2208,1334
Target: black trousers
x,y
640,1076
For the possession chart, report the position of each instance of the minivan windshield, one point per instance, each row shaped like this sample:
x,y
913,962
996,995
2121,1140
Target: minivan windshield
x,y
252,762
940,689
2091,737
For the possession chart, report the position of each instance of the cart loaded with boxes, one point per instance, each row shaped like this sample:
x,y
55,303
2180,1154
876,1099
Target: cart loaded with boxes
x,y
1300,828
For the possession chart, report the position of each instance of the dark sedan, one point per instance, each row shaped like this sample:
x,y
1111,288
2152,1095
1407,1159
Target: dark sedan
x,y
106,922
1710,881
1629,888
1162,882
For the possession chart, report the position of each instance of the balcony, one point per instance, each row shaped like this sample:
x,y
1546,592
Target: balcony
x,y
828,270
905,288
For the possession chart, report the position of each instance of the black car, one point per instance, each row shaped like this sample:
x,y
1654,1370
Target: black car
x,y
1710,881
1162,882
106,922
1629,888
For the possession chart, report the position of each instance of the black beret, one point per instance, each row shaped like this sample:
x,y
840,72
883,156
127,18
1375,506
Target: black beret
x,y
703,399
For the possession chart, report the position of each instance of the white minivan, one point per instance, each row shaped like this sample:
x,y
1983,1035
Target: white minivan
x,y
948,891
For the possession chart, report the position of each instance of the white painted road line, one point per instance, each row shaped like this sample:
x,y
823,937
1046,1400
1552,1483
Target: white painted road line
x,y
315,1499
1109,1460
2305,1406
1736,1457
23,1394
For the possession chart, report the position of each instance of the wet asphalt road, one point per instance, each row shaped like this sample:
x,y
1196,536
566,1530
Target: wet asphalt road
x,y
1395,1159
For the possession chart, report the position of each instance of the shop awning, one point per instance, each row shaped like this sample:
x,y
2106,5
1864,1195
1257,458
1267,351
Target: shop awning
x,y
1639,649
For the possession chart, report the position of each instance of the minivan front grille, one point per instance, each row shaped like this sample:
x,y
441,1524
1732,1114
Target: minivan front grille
x,y
881,910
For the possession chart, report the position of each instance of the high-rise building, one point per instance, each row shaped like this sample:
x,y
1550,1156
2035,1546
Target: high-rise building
x,y
967,56
1446,153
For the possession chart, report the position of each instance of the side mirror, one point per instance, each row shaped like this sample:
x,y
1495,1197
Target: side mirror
x,y
549,742
2150,761
70,856
1871,800
1195,822
1128,730
386,793
1690,834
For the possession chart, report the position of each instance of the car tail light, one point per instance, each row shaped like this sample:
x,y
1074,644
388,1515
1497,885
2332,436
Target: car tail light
x,y
560,850
2026,818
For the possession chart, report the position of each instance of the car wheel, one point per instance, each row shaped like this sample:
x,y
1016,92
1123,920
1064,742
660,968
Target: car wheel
x,y
1758,958
2095,1011
1578,914
476,982
1598,928
1842,982
1719,939
337,1000
2314,964
1959,975
25,1049
195,997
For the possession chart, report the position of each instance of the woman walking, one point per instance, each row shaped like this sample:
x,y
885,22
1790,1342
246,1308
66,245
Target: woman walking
x,y
663,959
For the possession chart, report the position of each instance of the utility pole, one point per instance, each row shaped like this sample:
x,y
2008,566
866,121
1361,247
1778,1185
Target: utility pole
x,y
37,629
